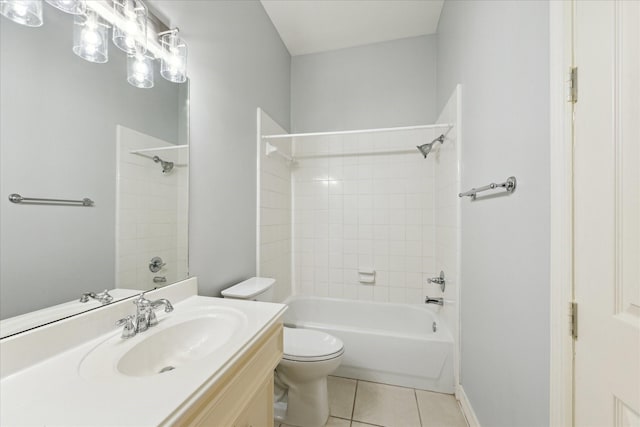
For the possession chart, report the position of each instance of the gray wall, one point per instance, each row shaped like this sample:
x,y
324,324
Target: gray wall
x,y
499,51
376,85
58,116
237,63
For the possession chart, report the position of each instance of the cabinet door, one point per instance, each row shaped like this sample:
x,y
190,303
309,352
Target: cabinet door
x,y
258,412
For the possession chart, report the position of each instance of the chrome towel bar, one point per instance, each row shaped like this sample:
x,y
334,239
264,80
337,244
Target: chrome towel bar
x,y
509,185
16,198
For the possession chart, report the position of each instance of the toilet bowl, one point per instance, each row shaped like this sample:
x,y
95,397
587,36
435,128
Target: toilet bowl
x,y
309,357
300,395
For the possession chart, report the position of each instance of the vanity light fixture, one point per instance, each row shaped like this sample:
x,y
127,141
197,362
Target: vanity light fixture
x,y
24,12
173,62
140,70
134,31
90,37
130,26
74,7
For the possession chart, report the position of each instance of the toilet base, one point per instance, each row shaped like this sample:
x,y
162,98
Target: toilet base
x,y
307,404
280,412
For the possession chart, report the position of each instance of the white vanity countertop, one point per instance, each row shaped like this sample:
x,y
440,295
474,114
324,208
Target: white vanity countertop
x,y
56,392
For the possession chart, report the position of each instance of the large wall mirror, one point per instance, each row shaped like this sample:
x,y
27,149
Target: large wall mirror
x,y
72,129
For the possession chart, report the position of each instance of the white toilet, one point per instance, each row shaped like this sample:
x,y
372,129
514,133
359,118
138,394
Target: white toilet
x,y
301,397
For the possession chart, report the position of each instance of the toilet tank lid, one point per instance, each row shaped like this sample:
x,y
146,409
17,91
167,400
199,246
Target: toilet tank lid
x,y
249,288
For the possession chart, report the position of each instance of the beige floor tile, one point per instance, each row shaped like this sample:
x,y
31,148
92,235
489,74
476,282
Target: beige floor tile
x,y
337,422
357,424
332,422
342,391
386,405
439,410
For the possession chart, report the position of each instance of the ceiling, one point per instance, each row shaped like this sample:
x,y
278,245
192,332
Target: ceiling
x,y
310,26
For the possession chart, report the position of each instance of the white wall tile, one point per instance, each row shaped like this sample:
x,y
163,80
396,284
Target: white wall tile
x,y
378,213
275,256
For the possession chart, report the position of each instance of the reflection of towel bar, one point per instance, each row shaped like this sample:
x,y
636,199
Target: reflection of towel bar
x,y
16,198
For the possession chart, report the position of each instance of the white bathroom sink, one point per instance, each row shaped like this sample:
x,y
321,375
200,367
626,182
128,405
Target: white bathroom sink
x,y
203,338
180,339
174,346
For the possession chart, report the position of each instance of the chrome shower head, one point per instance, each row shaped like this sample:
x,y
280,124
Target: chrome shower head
x,y
166,166
426,148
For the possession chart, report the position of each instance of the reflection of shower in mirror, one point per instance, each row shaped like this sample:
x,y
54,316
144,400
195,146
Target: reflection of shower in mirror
x,y
152,184
166,166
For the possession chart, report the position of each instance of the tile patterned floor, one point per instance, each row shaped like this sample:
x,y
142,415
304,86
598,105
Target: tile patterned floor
x,y
355,403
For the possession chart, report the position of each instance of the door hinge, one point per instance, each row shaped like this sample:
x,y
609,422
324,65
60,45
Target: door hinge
x,y
573,85
573,322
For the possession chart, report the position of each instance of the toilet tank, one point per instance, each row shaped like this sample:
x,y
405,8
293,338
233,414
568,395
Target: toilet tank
x,y
255,288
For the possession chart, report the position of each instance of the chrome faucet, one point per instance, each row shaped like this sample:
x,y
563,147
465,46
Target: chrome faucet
x,y
438,301
168,308
143,311
145,316
103,297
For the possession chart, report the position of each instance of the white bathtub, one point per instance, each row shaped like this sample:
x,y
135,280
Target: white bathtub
x,y
383,342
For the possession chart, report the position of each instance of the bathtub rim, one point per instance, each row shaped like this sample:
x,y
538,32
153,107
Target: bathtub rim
x,y
443,333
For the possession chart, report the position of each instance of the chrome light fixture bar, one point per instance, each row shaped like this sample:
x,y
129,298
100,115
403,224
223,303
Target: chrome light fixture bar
x,y
104,8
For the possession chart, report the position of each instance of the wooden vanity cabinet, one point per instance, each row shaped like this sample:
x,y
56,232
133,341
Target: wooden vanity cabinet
x,y
243,396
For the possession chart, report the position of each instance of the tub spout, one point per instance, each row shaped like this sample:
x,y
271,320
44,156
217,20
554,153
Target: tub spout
x,y
429,300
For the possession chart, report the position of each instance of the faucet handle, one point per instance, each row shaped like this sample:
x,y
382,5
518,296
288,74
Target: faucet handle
x,y
440,280
153,320
129,328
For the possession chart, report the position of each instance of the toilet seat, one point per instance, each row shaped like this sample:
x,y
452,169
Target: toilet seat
x,y
306,345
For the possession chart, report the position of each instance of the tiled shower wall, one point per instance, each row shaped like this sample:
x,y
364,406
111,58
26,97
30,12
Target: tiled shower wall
x,y
364,202
274,250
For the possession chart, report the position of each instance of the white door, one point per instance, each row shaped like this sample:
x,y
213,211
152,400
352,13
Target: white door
x,y
607,213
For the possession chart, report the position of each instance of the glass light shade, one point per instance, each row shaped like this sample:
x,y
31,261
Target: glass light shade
x,y
173,63
74,7
140,70
130,27
24,12
91,37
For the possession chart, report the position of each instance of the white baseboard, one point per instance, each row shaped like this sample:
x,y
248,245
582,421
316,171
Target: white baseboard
x,y
467,410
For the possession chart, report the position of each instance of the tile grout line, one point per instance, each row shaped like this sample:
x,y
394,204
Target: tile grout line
x,y
415,395
355,396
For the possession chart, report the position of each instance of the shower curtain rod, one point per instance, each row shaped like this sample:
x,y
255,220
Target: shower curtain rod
x,y
348,132
146,150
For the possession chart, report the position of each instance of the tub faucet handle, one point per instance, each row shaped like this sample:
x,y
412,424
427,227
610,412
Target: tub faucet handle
x,y
438,280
